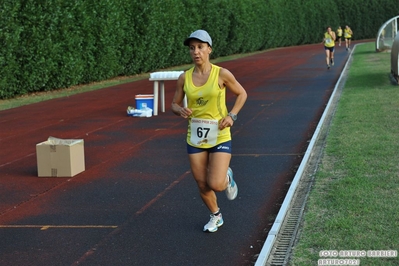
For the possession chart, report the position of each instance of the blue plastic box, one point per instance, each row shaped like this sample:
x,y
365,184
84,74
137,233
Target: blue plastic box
x,y
145,100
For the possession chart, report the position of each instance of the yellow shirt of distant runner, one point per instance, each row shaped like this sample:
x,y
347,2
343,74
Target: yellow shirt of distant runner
x,y
328,40
206,102
347,33
339,32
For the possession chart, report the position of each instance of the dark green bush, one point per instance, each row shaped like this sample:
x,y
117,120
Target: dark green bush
x,y
49,45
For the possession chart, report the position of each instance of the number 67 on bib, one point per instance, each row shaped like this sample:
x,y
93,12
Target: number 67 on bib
x,y
204,131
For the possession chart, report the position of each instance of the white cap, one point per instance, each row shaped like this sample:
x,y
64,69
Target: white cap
x,y
200,35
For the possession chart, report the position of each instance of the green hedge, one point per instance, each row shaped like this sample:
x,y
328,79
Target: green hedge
x,y
55,44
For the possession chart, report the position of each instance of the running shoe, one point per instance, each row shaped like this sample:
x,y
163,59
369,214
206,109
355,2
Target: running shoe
x,y
214,223
332,62
232,189
328,66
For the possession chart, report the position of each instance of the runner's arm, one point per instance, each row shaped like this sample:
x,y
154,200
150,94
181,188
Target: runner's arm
x,y
177,102
230,82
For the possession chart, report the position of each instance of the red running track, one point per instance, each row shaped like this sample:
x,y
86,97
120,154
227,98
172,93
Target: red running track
x,y
136,203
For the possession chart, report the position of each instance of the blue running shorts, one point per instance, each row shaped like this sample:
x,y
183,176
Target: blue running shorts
x,y
222,147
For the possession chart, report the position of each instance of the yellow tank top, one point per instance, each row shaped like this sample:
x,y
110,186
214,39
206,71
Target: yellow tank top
x,y
207,102
347,33
339,32
328,42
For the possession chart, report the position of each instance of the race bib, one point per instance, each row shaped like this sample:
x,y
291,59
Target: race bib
x,y
204,131
328,40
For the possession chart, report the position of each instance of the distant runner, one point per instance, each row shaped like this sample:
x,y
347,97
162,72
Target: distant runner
x,y
348,36
329,46
339,35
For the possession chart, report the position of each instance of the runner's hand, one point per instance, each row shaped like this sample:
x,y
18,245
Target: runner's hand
x,y
226,122
185,112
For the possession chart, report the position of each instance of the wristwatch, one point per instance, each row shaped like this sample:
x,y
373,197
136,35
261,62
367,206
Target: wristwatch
x,y
233,116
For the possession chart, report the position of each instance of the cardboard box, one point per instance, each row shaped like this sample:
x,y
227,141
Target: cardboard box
x,y
60,157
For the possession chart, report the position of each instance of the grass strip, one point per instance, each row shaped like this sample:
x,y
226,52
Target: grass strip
x,y
354,202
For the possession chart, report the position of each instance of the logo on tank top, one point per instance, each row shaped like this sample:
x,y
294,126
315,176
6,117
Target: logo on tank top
x,y
201,102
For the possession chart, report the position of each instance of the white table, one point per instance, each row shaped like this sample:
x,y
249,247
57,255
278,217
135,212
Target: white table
x,y
159,83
